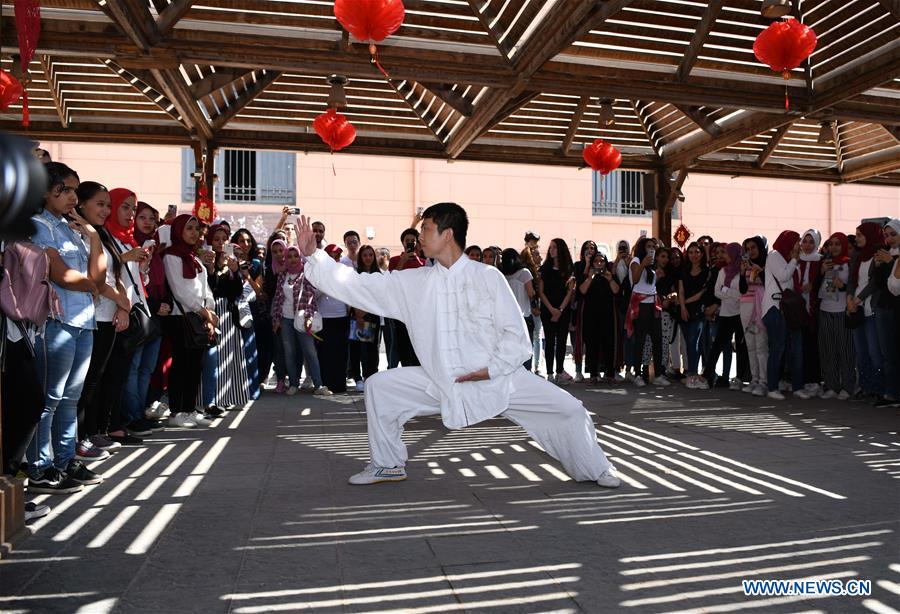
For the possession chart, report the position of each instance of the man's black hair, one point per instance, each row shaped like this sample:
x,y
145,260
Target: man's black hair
x,y
319,223
531,236
351,233
449,215
409,231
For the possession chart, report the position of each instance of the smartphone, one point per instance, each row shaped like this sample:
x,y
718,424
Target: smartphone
x,y
293,210
229,250
173,209
652,254
149,243
643,233
745,257
420,211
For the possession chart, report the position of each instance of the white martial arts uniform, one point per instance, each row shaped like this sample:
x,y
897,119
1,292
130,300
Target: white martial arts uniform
x,y
460,320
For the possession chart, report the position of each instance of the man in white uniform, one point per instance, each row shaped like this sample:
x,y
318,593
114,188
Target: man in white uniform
x,y
469,335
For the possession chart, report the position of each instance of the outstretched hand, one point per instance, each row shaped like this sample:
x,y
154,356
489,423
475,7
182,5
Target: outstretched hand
x,y
306,239
475,376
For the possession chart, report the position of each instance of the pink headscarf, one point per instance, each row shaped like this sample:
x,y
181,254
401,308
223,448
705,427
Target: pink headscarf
x,y
734,251
278,267
297,268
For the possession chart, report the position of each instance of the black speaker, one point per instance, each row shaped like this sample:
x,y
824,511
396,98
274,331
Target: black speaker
x,y
649,191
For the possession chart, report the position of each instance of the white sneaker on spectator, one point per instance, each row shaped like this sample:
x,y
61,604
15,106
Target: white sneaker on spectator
x,y
360,386
157,411
307,384
323,391
759,391
350,382
564,376
660,380
775,395
828,394
292,391
735,384
579,377
619,378
184,420
843,395
813,389
639,382
200,419
802,394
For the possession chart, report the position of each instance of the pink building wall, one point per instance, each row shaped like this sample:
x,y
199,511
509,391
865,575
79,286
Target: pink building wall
x,y
503,200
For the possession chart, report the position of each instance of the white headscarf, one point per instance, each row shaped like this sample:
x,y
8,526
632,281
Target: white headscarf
x,y
814,256
895,224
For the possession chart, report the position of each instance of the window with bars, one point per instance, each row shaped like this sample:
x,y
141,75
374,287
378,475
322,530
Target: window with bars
x,y
246,176
622,193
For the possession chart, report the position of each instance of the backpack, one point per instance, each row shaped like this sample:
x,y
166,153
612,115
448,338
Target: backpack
x,y
793,307
25,291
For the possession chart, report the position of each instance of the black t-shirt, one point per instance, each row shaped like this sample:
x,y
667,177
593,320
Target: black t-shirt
x,y
554,285
692,285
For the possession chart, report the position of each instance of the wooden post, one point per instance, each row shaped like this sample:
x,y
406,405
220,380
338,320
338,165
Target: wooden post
x,y
667,192
204,166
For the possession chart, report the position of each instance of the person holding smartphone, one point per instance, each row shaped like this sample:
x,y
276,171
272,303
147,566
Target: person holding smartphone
x,y
599,289
644,318
407,260
834,337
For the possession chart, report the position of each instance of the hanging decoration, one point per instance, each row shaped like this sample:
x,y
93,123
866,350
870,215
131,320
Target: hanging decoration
x,y
334,129
783,46
10,90
682,234
370,21
204,207
602,157
28,30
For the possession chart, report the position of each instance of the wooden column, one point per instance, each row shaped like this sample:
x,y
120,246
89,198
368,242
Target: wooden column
x,y
205,166
667,192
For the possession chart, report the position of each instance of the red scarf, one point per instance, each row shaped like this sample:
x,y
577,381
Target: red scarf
x,y
124,234
634,308
177,247
785,243
874,239
844,256
139,237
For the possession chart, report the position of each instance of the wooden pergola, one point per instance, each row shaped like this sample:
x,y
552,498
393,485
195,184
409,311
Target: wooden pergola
x,y
497,80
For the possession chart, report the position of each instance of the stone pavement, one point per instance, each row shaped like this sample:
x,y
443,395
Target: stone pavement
x,y
254,514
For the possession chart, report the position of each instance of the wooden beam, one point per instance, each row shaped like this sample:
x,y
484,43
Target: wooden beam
x,y
709,126
714,7
883,69
173,13
894,131
573,127
486,15
406,90
453,98
675,186
511,107
147,89
755,123
214,81
892,7
173,86
838,148
134,20
244,98
772,145
878,163
646,125
53,86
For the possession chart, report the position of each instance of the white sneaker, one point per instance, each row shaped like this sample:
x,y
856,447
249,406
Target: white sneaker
x,y
350,382
374,475
579,377
759,391
639,382
200,419
828,394
813,389
307,384
360,386
660,380
157,411
775,395
749,388
619,378
843,395
184,420
700,383
323,391
802,394
291,391
609,478
735,384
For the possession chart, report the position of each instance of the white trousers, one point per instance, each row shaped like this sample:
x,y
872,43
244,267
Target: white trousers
x,y
757,346
555,419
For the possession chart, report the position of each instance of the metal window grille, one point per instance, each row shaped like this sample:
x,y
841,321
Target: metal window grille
x,y
619,193
250,177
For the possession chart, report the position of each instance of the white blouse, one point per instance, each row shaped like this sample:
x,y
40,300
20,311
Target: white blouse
x,y
777,268
893,283
460,320
193,294
730,295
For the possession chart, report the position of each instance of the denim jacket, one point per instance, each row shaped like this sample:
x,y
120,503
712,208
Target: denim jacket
x,y
77,307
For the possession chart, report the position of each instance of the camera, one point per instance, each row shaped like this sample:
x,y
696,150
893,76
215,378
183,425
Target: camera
x,y
294,210
410,246
23,182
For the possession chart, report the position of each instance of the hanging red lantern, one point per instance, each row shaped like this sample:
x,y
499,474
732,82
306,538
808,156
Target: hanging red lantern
x,y
204,207
370,21
602,157
10,90
334,129
783,46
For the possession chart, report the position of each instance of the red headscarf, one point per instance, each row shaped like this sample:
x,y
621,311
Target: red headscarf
x,y
844,256
212,230
125,234
139,237
874,240
177,247
785,243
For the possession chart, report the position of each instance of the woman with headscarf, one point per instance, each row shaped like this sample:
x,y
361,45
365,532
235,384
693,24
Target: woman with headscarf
x,y
783,342
253,307
581,270
886,307
624,349
276,250
225,383
752,286
727,290
835,339
893,282
187,278
807,271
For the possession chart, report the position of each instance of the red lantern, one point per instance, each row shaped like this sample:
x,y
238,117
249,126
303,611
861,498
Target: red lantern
x,y
784,45
10,90
370,20
204,207
602,157
334,129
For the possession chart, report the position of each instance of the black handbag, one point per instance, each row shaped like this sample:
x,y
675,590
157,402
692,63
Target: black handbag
x,y
196,335
793,307
142,327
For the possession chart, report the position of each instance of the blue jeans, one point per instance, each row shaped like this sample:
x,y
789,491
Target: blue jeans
x,y
62,357
868,356
292,340
886,327
137,385
782,340
209,379
691,330
251,355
